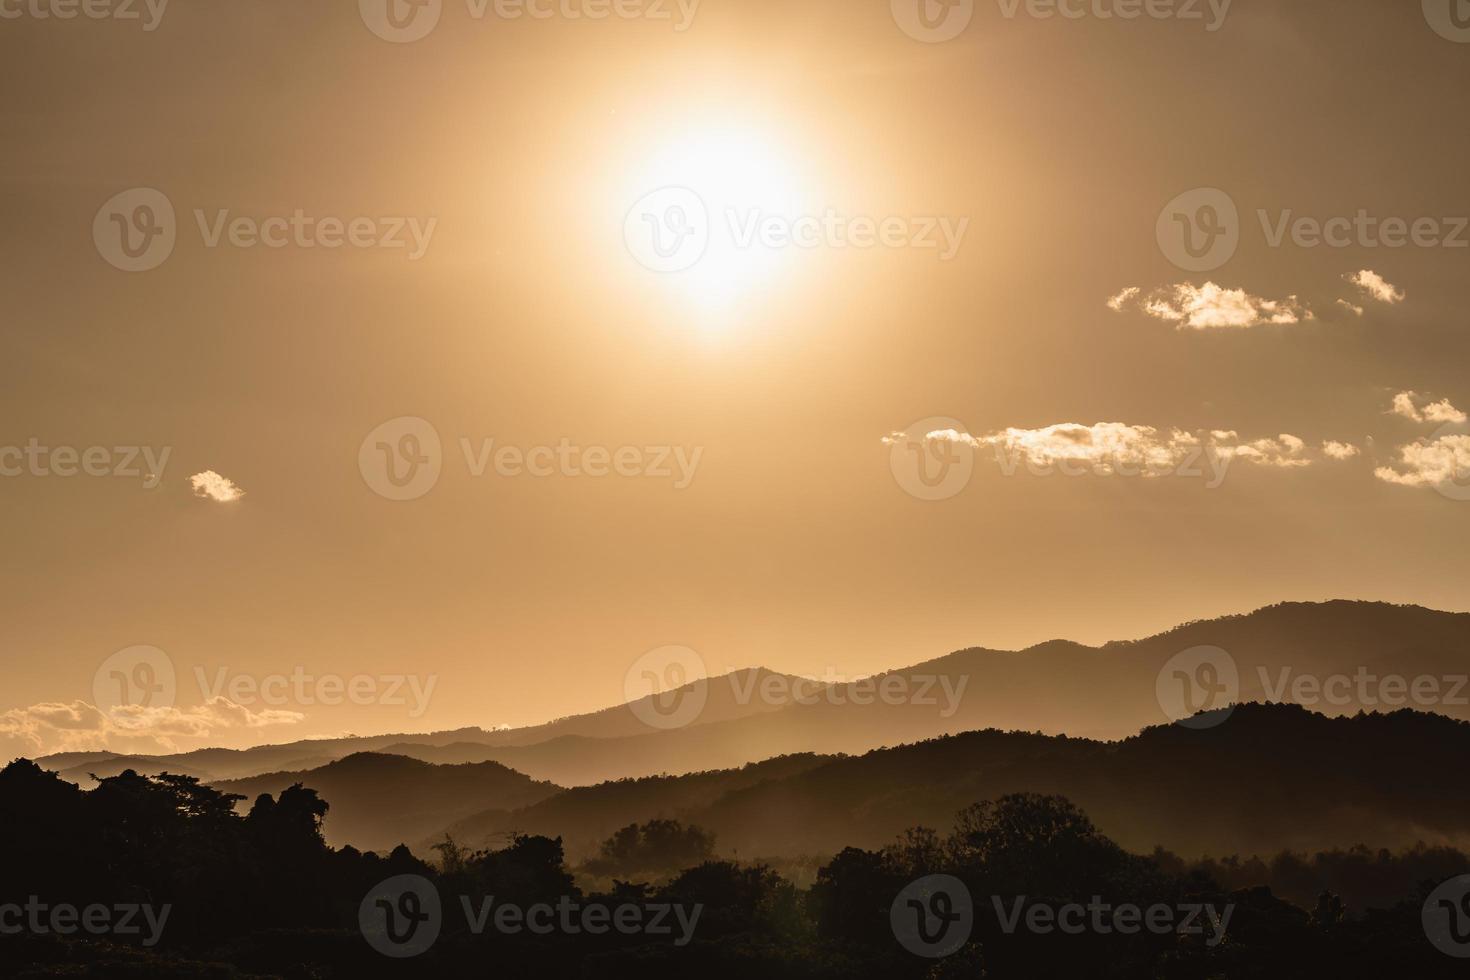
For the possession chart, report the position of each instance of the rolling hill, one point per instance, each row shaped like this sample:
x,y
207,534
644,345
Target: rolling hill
x,y
379,801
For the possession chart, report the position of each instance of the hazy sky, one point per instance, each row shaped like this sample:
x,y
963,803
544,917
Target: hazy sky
x,y
755,513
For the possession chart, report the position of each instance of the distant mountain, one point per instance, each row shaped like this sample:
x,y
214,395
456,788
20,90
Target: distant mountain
x,y
587,815
1106,692
1059,687
113,765
1269,777
379,801
240,763
724,703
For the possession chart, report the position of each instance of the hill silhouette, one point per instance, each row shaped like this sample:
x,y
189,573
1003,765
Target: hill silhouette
x,y
1060,687
379,801
1269,777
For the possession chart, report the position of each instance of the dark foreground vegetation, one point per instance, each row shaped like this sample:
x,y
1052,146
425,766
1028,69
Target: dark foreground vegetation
x,y
263,895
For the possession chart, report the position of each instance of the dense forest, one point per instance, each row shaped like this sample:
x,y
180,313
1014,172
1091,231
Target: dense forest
x,y
163,876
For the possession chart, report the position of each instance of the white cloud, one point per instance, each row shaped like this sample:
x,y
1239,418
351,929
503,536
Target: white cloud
x,y
210,484
1333,449
1441,462
42,729
1212,307
1376,286
1113,447
1283,451
1123,298
1411,405
1352,308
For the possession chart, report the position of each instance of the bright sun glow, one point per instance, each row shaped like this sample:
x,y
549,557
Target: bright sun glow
x,y
700,200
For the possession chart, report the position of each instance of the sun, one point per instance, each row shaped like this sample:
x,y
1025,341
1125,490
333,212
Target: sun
x,y
700,207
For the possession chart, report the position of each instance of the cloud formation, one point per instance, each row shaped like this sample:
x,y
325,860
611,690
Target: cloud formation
x,y
1333,449
1116,448
1442,463
1125,297
82,727
1376,286
1411,405
1211,307
215,487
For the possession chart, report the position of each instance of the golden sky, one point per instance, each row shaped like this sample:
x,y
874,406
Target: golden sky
x,y
1014,185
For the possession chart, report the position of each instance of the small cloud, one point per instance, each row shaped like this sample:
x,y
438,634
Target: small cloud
x,y
1376,286
1212,307
1121,300
1410,405
1352,308
1109,447
1285,451
210,484
1333,449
